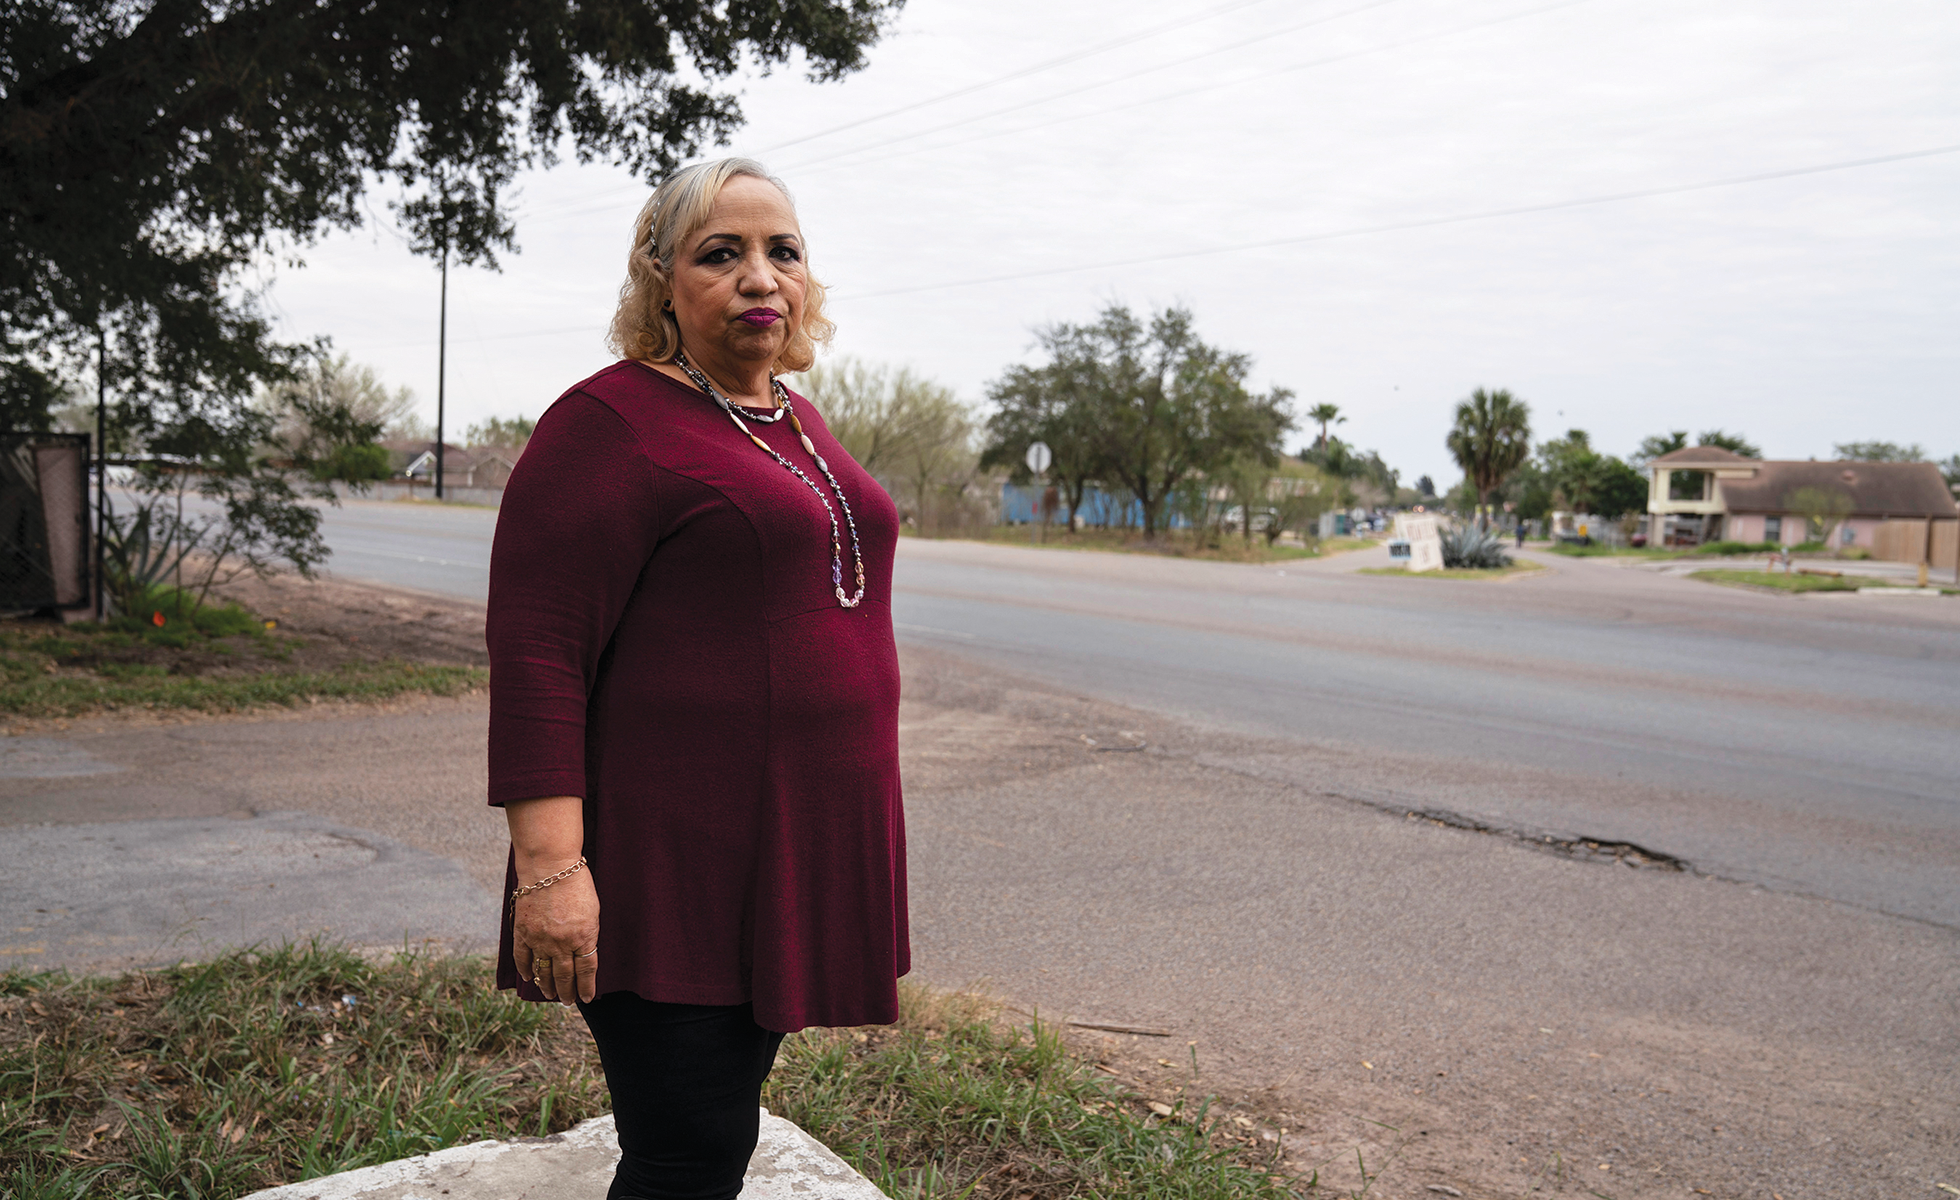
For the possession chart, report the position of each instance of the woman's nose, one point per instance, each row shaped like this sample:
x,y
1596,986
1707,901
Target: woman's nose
x,y
756,278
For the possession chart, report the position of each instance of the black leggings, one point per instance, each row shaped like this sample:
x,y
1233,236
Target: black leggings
x,y
686,1080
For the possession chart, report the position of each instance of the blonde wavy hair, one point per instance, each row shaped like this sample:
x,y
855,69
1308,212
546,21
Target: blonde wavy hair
x,y
642,328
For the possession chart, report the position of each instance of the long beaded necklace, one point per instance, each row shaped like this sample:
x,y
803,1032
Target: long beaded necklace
x,y
738,414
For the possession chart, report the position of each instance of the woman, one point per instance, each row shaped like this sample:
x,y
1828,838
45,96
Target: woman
x,y
694,693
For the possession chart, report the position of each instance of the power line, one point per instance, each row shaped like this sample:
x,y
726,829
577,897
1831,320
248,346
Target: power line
x,y
1090,87
1331,235
1024,72
1421,223
1181,94
1048,65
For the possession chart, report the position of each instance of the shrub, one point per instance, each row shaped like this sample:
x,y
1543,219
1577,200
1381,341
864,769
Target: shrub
x,y
1473,548
357,465
1739,548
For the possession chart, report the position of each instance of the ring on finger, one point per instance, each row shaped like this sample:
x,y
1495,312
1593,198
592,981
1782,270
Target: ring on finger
x,y
586,954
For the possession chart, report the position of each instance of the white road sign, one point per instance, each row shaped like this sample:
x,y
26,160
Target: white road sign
x,y
1424,541
1039,456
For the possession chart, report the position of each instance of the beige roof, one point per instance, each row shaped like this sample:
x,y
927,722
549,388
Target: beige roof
x,y
1876,489
1701,456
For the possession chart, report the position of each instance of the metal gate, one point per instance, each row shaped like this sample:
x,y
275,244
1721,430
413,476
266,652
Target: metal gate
x,y
44,521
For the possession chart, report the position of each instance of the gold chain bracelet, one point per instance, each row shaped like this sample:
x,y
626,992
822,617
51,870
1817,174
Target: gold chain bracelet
x,y
546,882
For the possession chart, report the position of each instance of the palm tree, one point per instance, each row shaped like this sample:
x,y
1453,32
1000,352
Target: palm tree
x,y
1492,438
1325,415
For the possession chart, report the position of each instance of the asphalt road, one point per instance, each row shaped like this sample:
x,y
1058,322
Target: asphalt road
x,y
1805,744
1231,803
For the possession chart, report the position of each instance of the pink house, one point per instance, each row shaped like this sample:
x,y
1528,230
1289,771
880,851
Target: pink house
x,y
1707,494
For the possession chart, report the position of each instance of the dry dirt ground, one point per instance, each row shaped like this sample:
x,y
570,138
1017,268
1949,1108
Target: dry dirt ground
x,y
1446,1011
341,621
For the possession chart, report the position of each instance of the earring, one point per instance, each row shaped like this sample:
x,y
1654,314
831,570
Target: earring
x,y
668,305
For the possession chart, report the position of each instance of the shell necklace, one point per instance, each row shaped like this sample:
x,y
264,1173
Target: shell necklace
x,y
738,414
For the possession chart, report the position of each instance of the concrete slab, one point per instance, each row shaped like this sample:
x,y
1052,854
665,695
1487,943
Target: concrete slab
x,y
789,1164
120,894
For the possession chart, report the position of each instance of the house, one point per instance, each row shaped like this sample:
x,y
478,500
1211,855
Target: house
x,y
1707,494
477,467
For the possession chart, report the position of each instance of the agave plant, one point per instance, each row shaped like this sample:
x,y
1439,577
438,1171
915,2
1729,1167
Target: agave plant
x,y
143,549
1468,546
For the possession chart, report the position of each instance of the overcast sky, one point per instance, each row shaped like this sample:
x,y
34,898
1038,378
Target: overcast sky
x,y
1198,151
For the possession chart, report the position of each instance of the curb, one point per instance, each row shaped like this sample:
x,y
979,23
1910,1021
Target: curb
x,y
789,1164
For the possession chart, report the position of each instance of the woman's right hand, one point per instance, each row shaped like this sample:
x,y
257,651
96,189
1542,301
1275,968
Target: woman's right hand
x,y
555,930
555,935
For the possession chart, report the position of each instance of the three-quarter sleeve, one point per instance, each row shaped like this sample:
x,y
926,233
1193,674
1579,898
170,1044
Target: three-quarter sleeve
x,y
579,521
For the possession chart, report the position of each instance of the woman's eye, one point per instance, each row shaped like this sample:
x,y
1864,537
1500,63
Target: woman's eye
x,y
789,254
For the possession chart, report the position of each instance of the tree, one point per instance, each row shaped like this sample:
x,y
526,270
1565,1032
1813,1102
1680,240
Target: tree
x,y
150,153
1570,466
1156,405
1880,452
327,416
1294,498
1425,487
1355,468
154,156
1734,443
1653,447
1823,509
1619,489
1491,439
1055,404
915,436
1324,414
1950,468
506,434
1568,473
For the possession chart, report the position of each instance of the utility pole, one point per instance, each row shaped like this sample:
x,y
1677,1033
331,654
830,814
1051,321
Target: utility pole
x,y
442,358
101,466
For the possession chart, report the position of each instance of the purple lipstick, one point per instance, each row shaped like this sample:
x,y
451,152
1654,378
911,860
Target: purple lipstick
x,y
761,318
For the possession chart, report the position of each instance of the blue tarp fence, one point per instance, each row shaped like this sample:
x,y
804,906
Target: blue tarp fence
x,y
1017,507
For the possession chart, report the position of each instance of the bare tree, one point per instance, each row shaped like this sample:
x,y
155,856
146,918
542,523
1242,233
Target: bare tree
x,y
915,436
1823,510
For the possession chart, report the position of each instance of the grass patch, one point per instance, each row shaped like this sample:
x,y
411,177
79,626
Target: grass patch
x,y
951,1103
276,1065
1596,550
171,655
210,1081
1171,543
28,690
1778,581
1520,567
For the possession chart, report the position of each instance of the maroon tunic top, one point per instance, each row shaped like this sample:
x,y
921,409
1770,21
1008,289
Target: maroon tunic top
x,y
665,643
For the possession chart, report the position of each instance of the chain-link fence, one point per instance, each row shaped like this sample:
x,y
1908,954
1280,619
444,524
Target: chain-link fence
x,y
44,521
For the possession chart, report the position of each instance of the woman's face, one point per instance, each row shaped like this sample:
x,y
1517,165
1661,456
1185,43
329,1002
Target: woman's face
x,y
739,279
